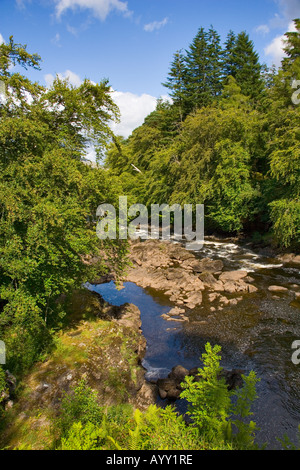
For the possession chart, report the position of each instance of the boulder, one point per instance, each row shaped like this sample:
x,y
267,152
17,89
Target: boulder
x,y
178,374
252,289
167,388
233,276
211,282
210,266
194,298
290,258
278,289
176,311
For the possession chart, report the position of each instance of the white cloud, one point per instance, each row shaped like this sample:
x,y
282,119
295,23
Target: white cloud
x,y
73,78
155,25
275,49
289,8
134,109
21,3
99,8
1,39
263,28
56,40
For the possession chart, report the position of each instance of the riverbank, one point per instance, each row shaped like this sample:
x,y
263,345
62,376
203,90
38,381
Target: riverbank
x,y
104,346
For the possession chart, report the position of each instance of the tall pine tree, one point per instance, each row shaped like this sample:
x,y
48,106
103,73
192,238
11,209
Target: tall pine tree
x,y
242,62
228,60
176,82
197,61
215,62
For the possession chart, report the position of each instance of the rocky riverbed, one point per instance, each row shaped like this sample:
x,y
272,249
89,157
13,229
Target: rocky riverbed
x,y
184,278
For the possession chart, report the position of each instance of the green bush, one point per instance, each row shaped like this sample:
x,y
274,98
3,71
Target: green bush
x,y
219,414
81,406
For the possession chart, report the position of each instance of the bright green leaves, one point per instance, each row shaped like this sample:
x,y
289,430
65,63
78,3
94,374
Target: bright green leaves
x,y
79,116
208,397
16,54
285,215
212,408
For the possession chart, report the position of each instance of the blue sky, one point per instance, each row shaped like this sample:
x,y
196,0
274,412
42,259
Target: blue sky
x,y
132,42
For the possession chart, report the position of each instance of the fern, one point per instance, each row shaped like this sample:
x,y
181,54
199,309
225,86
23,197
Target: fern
x,y
209,399
136,433
245,397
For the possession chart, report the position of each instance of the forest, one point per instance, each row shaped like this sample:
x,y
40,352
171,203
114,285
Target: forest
x,y
228,138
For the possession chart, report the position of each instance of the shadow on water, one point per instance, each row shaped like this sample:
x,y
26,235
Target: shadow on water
x,y
257,334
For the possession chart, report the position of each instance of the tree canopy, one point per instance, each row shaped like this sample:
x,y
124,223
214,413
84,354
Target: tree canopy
x,y
229,139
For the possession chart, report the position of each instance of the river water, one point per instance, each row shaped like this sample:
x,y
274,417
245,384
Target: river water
x,y
256,334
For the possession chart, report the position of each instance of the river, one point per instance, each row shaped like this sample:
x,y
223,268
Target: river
x,y
256,334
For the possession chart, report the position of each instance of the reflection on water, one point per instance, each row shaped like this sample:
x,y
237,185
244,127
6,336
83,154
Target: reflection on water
x,y
257,334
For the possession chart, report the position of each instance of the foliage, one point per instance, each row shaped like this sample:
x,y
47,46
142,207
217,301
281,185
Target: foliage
x,y
229,140
83,424
48,200
245,396
82,406
213,407
208,397
287,444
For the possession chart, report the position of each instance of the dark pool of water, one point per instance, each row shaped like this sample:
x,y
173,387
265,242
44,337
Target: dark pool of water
x,y
257,334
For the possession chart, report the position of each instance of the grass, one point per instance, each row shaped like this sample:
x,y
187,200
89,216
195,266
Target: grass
x,y
102,351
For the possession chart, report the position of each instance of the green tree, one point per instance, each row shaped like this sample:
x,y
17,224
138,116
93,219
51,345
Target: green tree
x,y
198,61
292,46
48,199
215,62
176,83
228,61
242,62
283,146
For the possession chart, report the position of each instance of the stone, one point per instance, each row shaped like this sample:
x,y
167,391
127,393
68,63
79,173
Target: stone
x,y
277,289
162,393
176,311
211,282
194,299
146,395
233,275
168,388
178,374
213,296
252,289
